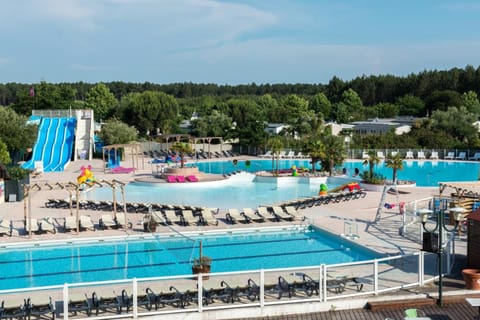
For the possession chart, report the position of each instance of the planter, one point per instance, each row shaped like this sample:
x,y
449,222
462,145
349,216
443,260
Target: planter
x,y
149,226
196,269
471,278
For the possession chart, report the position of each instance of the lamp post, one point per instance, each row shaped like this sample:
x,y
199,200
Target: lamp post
x,y
440,226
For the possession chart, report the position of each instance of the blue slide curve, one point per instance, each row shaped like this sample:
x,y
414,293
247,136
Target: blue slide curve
x,y
54,144
38,148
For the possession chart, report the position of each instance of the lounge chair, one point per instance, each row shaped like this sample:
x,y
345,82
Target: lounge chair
x,y
252,215
263,211
79,302
409,155
107,221
365,155
380,155
434,155
171,179
192,178
290,155
165,294
188,218
280,214
461,156
181,179
475,157
86,223
142,300
294,213
450,156
234,216
421,155
47,225
105,299
208,217
267,154
172,218
70,223
13,308
5,227
31,225
40,305
393,153
121,222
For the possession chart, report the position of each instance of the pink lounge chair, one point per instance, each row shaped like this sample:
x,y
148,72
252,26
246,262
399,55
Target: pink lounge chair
x,y
192,179
171,179
181,179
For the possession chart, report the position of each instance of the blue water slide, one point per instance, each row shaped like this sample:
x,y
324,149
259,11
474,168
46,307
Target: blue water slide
x,y
59,155
67,145
40,144
48,151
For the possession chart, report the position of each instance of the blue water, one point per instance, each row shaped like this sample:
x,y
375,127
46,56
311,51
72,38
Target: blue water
x,y
239,191
59,264
424,173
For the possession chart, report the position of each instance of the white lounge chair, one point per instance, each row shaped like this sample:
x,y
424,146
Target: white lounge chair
x,y
300,155
107,221
31,225
70,223
450,156
421,155
208,217
234,216
189,218
252,216
267,154
461,156
280,214
263,211
86,223
290,155
5,227
172,218
475,157
409,155
47,225
393,153
282,154
365,155
434,155
294,213
380,155
121,222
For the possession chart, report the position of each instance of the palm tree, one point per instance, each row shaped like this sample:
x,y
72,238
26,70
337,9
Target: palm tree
x,y
333,152
275,145
372,160
314,147
395,162
182,148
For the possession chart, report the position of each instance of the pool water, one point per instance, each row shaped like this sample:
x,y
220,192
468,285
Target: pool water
x,y
424,173
125,259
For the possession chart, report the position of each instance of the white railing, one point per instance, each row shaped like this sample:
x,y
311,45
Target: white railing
x,y
246,289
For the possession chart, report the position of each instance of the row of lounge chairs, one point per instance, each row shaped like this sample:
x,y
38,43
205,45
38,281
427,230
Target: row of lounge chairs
x,y
335,197
185,217
273,213
36,306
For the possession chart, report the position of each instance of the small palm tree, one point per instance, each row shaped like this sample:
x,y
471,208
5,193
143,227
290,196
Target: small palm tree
x,y
314,147
372,160
334,152
182,148
395,162
275,145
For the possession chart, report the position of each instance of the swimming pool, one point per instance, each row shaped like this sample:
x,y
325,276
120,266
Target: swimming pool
x,y
238,191
48,264
424,173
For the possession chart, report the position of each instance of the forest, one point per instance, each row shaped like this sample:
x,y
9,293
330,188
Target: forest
x,y
446,103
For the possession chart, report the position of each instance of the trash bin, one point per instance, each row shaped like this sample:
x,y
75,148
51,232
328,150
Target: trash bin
x,y
83,155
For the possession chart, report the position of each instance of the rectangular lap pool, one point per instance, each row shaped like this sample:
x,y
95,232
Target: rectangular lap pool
x,y
45,264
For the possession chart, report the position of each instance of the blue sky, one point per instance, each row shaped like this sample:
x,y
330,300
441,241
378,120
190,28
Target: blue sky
x,y
233,41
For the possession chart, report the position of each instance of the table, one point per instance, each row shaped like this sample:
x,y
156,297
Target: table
x,y
474,302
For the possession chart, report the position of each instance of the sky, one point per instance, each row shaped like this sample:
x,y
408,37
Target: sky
x,y
233,41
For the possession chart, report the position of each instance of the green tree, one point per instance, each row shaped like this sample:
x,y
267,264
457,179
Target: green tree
x,y
410,105
458,122
333,152
101,100
15,132
182,148
4,156
214,125
320,104
117,132
394,162
470,101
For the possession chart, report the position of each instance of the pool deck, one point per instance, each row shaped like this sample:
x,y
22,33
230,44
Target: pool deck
x,y
382,236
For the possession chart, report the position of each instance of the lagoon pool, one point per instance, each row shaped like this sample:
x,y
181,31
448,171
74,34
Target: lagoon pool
x,y
56,264
425,173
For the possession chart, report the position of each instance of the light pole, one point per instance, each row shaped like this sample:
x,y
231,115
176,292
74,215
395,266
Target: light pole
x,y
440,226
